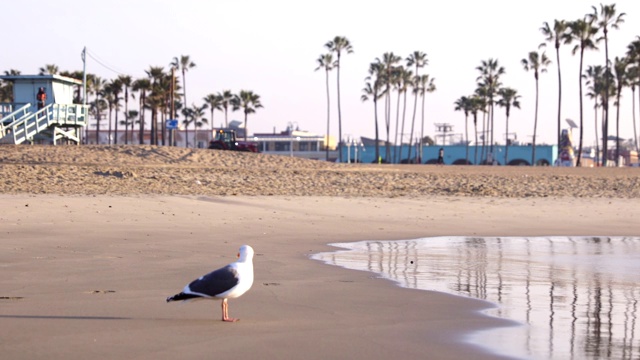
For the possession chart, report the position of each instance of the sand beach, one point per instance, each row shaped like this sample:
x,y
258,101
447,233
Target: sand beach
x,y
94,238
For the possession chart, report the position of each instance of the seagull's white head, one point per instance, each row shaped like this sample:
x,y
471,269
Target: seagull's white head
x,y
245,253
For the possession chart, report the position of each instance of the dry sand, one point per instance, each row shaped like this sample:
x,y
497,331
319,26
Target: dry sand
x,y
95,238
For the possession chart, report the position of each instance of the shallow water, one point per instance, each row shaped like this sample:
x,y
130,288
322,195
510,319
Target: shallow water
x,y
577,297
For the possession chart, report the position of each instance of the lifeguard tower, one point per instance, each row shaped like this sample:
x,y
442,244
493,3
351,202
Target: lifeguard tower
x,y
21,121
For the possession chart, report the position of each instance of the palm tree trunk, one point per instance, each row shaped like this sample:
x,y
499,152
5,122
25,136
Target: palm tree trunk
x,y
375,114
413,123
339,111
506,144
404,113
595,108
605,120
559,94
535,128
326,145
396,153
579,163
618,129
475,126
633,107
466,137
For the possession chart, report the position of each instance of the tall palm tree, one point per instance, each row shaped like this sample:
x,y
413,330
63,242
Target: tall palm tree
x,y
477,104
126,80
96,86
594,77
403,78
116,89
325,61
557,35
226,96
248,102
490,72
338,45
509,98
142,85
109,97
464,104
633,52
372,92
622,79
155,98
387,66
537,63
583,31
197,113
602,20
419,60
427,84
49,69
184,63
214,102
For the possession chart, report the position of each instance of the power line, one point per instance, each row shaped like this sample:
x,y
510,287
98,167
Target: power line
x,y
102,63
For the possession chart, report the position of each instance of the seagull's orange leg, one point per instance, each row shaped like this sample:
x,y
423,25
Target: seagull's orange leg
x,y
225,312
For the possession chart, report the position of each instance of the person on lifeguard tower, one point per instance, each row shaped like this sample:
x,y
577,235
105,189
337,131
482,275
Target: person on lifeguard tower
x,y
41,96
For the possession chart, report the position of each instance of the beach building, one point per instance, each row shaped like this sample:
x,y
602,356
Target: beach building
x,y
42,110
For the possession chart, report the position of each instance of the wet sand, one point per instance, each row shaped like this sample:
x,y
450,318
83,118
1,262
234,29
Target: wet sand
x,y
86,272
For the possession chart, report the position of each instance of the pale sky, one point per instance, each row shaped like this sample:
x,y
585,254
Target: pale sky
x,y
271,48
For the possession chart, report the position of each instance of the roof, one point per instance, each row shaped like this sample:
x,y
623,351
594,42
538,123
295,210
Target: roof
x,y
58,78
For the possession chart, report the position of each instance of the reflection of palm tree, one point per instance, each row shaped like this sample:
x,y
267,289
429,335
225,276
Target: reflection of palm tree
x,y
326,62
248,102
557,35
602,21
583,32
338,45
508,98
537,63
622,80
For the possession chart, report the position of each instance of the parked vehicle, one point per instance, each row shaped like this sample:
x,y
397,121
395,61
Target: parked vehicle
x,y
226,140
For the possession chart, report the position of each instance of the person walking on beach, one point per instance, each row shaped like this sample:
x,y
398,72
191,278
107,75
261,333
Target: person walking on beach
x,y
441,156
41,97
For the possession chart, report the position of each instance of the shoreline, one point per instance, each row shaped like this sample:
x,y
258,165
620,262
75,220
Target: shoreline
x,y
99,267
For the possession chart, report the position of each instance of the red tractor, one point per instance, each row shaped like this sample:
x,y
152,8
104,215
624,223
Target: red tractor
x,y
226,140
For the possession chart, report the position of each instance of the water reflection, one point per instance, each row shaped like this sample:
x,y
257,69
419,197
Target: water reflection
x,y
578,296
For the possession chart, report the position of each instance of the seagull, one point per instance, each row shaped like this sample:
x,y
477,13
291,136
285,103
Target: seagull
x,y
228,282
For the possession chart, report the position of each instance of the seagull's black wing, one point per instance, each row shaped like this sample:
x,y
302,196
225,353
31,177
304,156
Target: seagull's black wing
x,y
215,282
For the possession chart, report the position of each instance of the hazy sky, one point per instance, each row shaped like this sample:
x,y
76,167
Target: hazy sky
x,y
271,48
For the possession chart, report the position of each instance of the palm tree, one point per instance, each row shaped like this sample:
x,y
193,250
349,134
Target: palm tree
x,y
537,63
557,35
386,67
371,92
183,64
108,96
490,72
48,69
509,98
129,118
622,79
603,20
142,86
6,87
197,115
374,92
403,79
338,45
325,62
96,86
248,102
583,32
419,60
633,52
116,89
594,77
226,96
426,85
214,102
477,104
464,104
125,80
